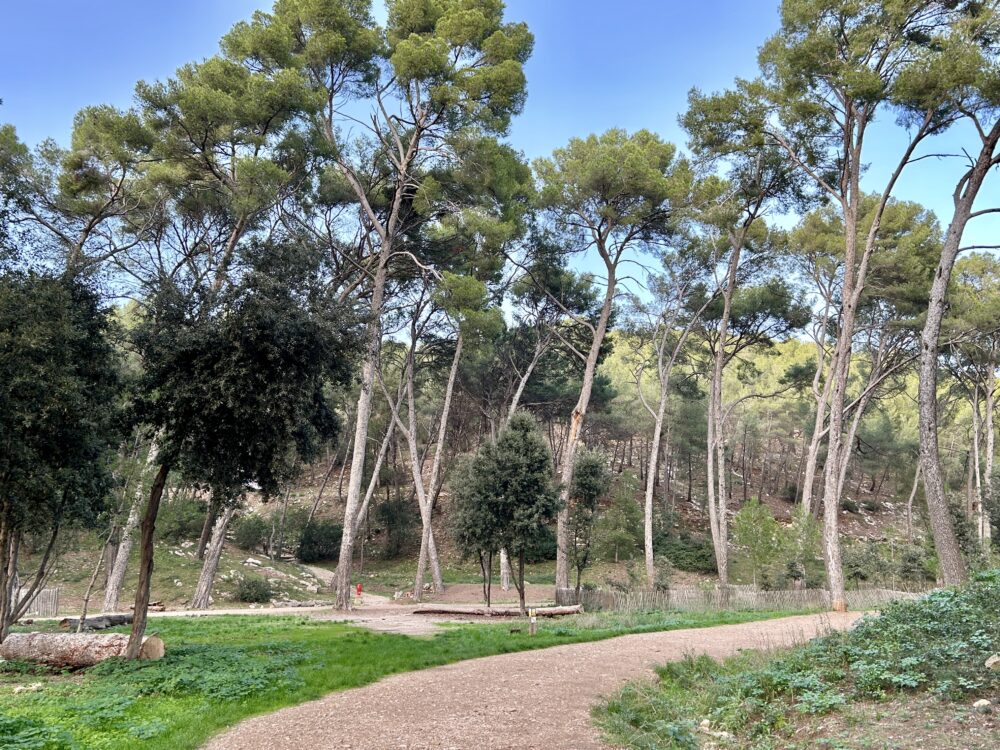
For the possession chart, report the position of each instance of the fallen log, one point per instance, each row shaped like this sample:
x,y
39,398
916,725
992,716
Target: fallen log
x,y
444,609
74,649
98,622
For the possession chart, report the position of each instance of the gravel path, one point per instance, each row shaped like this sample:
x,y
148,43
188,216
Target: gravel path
x,y
529,700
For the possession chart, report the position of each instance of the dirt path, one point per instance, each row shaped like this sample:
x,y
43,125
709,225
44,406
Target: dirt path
x,y
529,700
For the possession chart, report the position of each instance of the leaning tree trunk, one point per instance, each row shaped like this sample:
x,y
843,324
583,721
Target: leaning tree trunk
x,y
427,497
953,568
146,549
116,576
206,528
213,554
568,457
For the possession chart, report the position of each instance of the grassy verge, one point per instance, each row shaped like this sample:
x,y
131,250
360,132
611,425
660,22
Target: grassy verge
x,y
828,693
222,669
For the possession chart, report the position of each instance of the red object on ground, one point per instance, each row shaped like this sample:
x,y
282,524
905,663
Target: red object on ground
x,y
359,589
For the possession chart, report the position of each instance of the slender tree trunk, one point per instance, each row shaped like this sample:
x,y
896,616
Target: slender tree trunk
x,y
952,564
575,428
909,503
93,581
504,570
985,529
342,580
716,453
206,528
426,497
146,550
203,591
116,578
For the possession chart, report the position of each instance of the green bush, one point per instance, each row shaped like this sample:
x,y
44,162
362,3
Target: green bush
x,y
398,519
687,552
850,506
181,519
320,541
542,546
250,532
937,644
254,590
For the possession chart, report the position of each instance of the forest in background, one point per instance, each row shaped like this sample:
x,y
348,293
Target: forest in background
x,y
318,243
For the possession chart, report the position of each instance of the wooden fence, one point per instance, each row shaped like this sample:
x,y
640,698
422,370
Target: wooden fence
x,y
698,599
45,604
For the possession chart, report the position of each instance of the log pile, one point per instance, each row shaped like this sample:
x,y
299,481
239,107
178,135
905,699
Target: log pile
x,y
73,650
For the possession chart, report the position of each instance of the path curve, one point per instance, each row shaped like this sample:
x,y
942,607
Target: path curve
x,y
528,700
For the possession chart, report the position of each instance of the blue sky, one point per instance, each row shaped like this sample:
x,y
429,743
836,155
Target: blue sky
x,y
597,64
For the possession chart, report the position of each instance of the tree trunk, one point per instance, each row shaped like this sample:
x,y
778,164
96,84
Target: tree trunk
x,y
75,649
116,577
203,591
206,528
426,497
504,570
575,428
985,530
342,578
953,568
909,503
146,550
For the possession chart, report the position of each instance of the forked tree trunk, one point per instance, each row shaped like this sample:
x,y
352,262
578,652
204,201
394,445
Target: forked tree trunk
x,y
203,592
426,496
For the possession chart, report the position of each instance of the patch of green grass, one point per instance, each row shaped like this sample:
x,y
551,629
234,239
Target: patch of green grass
x,y
937,645
219,670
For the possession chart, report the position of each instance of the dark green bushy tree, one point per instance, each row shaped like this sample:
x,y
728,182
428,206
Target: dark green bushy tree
x,y
591,483
236,389
59,386
504,497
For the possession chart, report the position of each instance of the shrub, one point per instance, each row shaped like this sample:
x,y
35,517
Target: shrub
x,y
181,519
398,518
937,644
319,541
693,554
251,532
850,505
254,590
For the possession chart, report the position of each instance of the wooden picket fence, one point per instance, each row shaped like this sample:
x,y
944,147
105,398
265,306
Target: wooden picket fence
x,y
745,598
45,604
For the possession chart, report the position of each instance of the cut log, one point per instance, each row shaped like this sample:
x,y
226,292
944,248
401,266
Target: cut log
x,y
497,611
98,622
73,649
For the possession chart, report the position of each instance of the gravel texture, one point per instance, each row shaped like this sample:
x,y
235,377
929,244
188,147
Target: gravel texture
x,y
528,700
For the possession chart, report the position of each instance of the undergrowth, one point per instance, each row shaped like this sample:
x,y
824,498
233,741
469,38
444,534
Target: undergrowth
x,y
938,644
219,670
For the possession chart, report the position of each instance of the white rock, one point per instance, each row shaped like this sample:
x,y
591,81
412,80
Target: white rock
x,y
251,561
982,706
32,688
993,663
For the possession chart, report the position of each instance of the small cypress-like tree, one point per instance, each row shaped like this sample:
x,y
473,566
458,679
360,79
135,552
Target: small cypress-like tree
x,y
504,497
591,483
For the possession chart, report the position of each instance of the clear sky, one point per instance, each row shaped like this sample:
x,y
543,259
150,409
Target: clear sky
x,y
597,64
